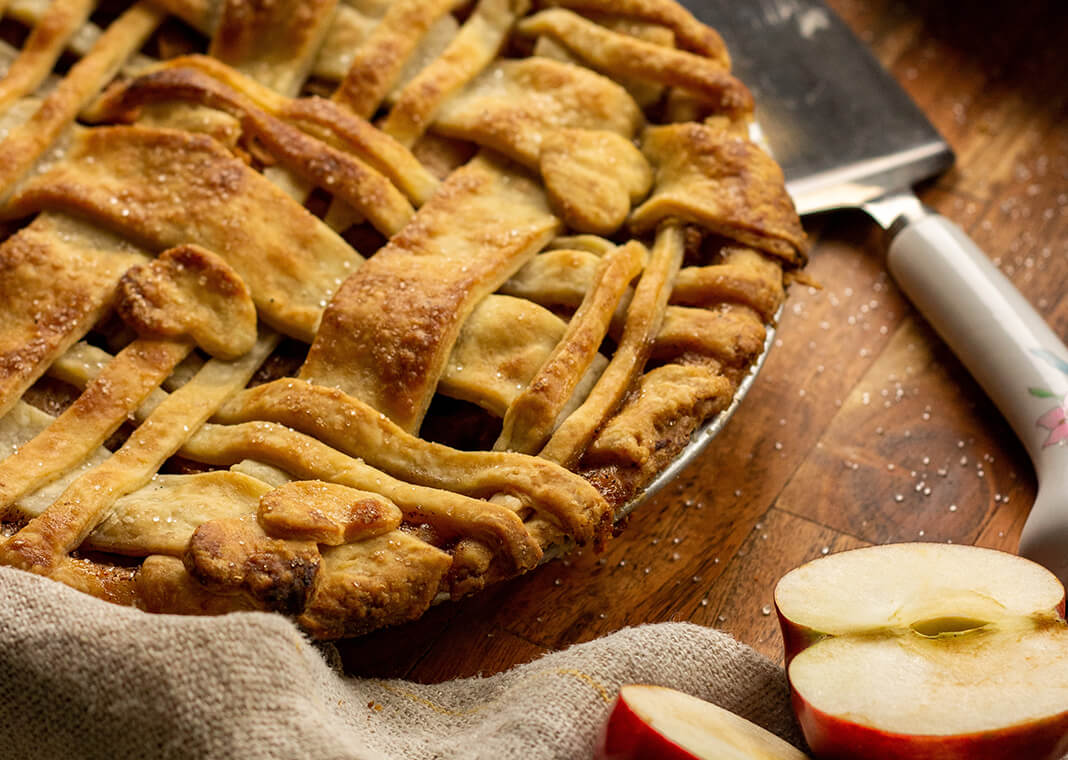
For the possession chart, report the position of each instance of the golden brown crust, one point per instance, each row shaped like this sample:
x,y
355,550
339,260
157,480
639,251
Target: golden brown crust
x,y
112,583
235,556
530,418
501,346
164,585
84,425
645,425
451,514
273,42
732,334
745,276
644,316
326,513
189,292
45,540
387,347
323,119
473,48
354,427
721,183
289,259
512,105
384,581
42,48
25,144
592,178
622,54
690,33
494,292
557,278
52,290
379,61
358,184
160,517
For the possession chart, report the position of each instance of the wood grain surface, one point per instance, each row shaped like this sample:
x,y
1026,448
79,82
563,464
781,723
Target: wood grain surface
x,y
863,427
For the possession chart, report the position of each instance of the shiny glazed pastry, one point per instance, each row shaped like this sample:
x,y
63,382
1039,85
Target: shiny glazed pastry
x,y
331,308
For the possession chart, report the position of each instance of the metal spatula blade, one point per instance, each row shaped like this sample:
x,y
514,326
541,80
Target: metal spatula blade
x,y
847,135
839,125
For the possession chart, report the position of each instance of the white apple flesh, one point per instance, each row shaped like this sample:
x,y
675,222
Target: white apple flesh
x,y
927,651
655,723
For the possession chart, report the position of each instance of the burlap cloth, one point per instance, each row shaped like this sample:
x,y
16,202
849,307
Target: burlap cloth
x,y
80,678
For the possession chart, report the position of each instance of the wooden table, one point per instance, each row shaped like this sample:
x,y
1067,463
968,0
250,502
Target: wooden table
x,y
862,428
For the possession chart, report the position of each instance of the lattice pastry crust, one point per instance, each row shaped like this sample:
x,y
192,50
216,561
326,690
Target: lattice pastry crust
x,y
331,306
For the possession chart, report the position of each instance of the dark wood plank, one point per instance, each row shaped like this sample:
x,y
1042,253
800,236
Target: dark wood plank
x,y
915,453
743,603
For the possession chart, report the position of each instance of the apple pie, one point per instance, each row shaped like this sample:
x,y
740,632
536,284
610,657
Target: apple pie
x,y
333,307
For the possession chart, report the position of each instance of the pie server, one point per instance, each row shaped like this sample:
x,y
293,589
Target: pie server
x,y
847,136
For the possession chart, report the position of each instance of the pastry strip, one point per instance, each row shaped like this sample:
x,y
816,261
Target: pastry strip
x,y
722,183
184,295
658,418
160,517
25,144
309,459
531,417
337,172
383,581
690,34
83,362
501,345
358,430
54,285
19,426
162,584
345,131
148,184
321,118
628,56
562,278
745,276
512,105
275,42
353,24
647,94
111,583
472,50
202,15
387,335
42,543
43,48
379,61
644,317
327,513
732,334
31,12
109,399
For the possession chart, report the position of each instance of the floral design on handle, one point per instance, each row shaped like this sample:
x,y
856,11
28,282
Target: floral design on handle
x,y
1056,419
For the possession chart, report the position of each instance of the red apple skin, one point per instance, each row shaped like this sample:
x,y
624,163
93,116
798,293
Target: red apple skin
x,y
833,738
795,637
627,737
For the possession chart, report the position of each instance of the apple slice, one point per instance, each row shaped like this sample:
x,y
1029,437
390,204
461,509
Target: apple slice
x,y
654,723
927,651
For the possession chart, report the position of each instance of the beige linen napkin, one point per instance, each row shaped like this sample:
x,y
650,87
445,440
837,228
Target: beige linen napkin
x,y
80,678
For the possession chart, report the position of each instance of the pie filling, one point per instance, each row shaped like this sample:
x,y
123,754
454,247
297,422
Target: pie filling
x,y
330,307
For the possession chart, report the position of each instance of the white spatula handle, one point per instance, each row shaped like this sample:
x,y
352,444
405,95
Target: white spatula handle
x,y
1020,362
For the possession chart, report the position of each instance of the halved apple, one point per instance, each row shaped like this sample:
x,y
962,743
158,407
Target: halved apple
x,y
655,723
927,651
